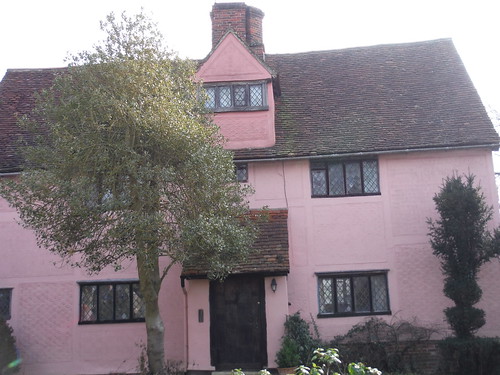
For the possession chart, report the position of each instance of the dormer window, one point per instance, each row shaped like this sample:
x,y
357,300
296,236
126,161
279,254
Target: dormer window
x,y
240,96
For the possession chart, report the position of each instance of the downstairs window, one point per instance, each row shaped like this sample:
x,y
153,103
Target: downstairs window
x,y
353,293
5,301
106,302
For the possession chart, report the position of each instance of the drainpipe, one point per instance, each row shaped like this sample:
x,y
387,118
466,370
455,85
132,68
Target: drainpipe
x,y
186,338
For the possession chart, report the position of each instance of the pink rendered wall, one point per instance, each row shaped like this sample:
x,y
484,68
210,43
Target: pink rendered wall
x,y
276,312
325,234
252,129
388,231
232,62
45,310
198,343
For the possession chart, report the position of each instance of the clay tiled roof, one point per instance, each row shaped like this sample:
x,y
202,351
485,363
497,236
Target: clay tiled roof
x,y
17,99
359,100
270,255
375,99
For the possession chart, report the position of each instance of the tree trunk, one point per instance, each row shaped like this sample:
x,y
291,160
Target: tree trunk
x,y
150,281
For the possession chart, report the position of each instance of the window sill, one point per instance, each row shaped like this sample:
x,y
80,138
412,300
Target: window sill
x,y
240,109
142,320
347,195
344,315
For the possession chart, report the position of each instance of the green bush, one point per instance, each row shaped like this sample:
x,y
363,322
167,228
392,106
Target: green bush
x,y
386,345
478,356
9,363
288,355
297,344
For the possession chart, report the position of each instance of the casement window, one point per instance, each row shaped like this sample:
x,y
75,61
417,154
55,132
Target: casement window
x,y
339,178
111,302
241,170
5,301
227,97
353,293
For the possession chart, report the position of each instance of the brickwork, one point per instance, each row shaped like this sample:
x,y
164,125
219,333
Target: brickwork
x,y
421,358
425,358
244,20
228,17
254,28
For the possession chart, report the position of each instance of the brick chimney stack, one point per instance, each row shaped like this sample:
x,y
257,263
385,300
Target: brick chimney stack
x,y
245,21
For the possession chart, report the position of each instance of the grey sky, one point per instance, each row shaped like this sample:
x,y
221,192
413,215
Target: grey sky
x,y
37,34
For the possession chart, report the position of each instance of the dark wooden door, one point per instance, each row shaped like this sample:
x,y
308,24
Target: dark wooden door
x,y
238,323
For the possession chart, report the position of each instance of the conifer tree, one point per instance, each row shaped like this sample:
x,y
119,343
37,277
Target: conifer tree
x,y
461,241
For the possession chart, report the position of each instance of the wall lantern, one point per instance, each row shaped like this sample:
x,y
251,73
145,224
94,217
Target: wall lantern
x,y
274,285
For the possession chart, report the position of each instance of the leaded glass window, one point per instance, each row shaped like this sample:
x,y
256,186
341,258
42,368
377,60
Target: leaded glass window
x,y
105,302
138,308
225,97
240,97
256,96
210,98
88,303
362,293
319,182
335,178
379,293
241,172
353,178
236,97
122,302
343,294
5,302
370,176
326,296
111,302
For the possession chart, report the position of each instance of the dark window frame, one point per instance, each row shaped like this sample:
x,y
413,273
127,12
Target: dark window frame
x,y
241,170
97,284
233,86
351,275
6,294
323,165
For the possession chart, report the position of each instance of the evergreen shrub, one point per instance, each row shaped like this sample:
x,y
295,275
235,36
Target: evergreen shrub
x,y
478,356
8,356
386,345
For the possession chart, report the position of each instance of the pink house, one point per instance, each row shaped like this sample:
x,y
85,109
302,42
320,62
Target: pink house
x,y
346,147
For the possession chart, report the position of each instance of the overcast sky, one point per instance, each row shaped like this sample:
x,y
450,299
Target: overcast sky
x,y
40,33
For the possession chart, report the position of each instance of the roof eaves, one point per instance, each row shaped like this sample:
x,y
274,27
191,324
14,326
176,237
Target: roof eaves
x,y
313,155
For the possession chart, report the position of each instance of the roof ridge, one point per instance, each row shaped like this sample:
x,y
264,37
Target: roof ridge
x,y
35,69
371,46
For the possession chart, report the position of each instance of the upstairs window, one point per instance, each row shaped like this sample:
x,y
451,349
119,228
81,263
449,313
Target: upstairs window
x,y
226,97
338,178
5,300
346,293
115,302
241,170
